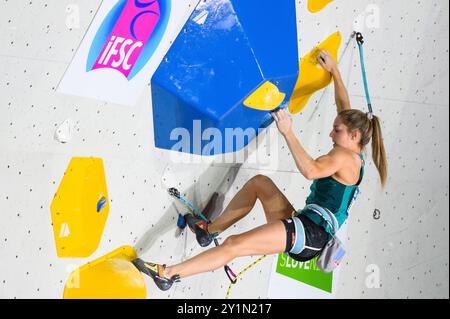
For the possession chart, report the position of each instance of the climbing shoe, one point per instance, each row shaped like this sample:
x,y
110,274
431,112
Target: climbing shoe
x,y
200,228
156,272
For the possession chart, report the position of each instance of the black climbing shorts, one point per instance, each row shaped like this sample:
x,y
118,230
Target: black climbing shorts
x,y
305,239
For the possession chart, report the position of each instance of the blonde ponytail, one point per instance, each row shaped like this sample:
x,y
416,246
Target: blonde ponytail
x,y
378,151
370,129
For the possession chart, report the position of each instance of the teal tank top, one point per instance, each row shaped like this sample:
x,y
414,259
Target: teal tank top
x,y
333,195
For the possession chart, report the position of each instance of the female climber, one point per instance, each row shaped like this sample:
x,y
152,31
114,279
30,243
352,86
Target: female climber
x,y
301,234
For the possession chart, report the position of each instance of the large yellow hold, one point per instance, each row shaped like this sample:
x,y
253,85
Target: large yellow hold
x,y
317,5
312,76
267,97
80,208
112,276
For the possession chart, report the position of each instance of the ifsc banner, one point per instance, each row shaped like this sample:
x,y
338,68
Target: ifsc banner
x,y
123,48
291,279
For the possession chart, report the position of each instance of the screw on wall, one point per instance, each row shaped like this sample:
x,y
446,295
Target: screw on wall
x,y
376,214
73,16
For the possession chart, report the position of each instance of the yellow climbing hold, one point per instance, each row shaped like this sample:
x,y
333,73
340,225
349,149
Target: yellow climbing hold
x,y
266,97
80,208
112,276
312,76
317,5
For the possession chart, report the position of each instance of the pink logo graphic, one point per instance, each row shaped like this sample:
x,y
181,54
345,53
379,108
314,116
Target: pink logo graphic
x,y
130,34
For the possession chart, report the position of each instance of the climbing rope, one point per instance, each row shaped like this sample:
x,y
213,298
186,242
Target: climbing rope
x,y
239,274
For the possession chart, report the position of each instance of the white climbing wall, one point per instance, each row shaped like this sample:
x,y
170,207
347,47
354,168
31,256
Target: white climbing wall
x,y
403,254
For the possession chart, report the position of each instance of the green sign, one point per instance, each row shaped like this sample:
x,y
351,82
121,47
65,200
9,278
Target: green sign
x,y
306,272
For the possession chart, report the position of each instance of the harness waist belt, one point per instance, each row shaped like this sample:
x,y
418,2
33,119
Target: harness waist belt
x,y
326,215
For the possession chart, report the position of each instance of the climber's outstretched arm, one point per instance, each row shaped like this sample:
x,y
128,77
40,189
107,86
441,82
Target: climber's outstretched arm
x,y
340,92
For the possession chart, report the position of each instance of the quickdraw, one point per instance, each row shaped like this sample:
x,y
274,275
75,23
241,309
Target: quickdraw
x,y
175,193
182,224
360,41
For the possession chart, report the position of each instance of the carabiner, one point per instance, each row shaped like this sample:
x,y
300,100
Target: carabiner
x,y
359,38
228,271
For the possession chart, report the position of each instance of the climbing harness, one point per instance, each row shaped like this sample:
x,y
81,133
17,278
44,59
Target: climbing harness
x,y
331,255
181,223
360,41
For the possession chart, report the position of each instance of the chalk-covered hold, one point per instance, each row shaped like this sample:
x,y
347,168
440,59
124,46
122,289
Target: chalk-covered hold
x,y
64,132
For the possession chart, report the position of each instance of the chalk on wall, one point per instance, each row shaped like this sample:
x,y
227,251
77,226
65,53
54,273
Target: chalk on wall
x,y
64,132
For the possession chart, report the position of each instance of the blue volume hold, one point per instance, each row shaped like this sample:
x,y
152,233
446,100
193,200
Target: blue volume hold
x,y
226,50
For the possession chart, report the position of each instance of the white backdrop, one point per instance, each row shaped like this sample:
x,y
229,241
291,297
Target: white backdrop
x,y
406,249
